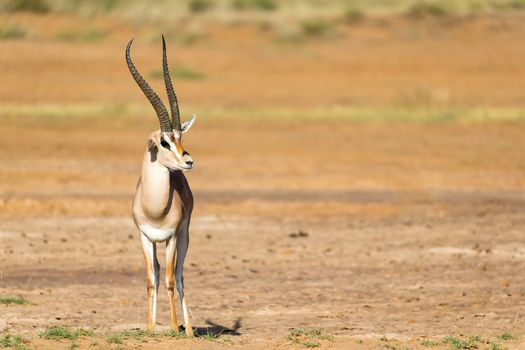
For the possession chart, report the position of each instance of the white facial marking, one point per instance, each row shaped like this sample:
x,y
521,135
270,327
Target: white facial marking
x,y
173,147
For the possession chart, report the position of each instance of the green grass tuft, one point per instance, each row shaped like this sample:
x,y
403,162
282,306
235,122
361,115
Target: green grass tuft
x,y
35,6
308,337
137,334
199,6
8,300
430,342
260,5
422,9
463,344
316,27
353,16
13,342
114,339
496,346
312,344
140,335
12,33
312,332
507,336
58,333
210,336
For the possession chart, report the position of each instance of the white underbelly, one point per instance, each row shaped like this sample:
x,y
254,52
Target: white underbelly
x,y
156,234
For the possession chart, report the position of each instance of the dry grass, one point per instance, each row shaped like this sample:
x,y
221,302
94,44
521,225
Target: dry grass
x,y
51,113
12,33
235,10
289,20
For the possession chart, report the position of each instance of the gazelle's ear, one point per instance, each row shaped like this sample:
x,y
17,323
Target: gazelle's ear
x,y
186,125
153,150
151,144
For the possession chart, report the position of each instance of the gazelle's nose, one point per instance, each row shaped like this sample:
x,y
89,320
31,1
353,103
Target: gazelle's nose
x,y
187,159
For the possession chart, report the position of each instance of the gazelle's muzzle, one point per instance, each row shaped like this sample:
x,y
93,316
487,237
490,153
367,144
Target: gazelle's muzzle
x,y
188,161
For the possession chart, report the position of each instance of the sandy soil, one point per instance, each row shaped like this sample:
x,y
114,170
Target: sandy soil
x,y
411,231
381,235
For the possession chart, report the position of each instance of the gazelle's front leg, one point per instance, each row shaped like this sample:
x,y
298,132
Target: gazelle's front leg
x,y
152,268
170,281
182,248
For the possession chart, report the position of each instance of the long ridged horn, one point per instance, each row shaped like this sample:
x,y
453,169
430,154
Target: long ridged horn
x,y
172,97
153,98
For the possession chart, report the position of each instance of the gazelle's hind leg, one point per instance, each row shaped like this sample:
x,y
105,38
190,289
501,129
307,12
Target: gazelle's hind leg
x,y
170,281
152,279
182,248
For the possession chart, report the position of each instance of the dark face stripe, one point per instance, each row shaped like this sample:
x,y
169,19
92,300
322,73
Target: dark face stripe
x,y
185,153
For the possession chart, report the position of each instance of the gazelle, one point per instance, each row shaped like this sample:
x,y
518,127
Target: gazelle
x,y
163,200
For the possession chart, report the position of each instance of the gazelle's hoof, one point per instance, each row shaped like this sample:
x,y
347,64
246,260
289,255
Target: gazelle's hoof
x,y
189,331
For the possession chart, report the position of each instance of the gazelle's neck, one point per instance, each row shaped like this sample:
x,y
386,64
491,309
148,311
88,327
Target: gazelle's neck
x,y
156,190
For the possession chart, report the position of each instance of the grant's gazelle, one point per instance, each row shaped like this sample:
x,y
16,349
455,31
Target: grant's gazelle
x,y
163,200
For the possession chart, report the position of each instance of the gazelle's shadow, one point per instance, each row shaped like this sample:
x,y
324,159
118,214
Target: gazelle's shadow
x,y
215,330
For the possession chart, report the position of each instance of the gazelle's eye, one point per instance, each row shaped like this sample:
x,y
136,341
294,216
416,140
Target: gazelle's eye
x,y
165,144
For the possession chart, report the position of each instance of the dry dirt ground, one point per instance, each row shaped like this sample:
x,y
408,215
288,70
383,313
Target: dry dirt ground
x,y
409,231
382,235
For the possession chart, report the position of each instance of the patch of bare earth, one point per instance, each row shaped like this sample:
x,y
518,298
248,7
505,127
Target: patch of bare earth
x,y
397,230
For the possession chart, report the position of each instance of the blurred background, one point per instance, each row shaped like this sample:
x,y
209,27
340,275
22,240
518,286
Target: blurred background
x,y
389,132
266,62
379,59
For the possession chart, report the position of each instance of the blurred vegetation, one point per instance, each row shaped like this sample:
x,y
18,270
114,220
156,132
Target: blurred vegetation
x,y
426,9
10,300
12,33
292,21
230,9
197,6
509,5
264,5
353,16
80,36
36,6
13,342
68,113
316,27
180,72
